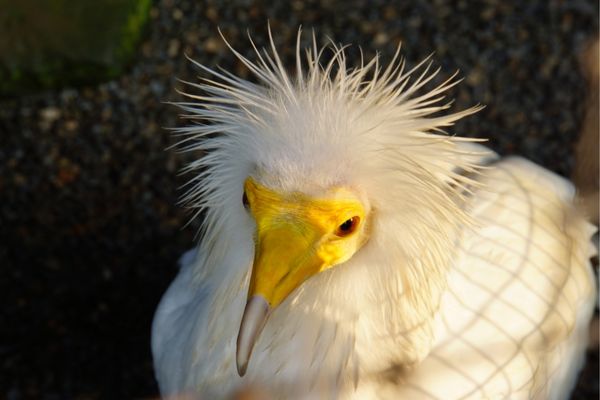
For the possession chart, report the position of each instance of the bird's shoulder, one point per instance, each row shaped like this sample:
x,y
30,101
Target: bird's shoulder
x,y
521,290
175,321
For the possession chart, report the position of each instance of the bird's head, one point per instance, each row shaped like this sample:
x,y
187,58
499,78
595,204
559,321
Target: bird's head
x,y
320,165
299,235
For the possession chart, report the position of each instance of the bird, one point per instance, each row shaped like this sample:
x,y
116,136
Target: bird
x,y
352,248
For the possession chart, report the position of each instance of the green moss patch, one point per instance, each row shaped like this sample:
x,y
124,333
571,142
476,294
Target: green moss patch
x,y
53,43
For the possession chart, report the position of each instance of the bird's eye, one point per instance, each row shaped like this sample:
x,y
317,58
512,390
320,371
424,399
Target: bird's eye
x,y
348,226
245,201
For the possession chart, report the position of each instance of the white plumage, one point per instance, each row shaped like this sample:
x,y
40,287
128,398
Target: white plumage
x,y
472,280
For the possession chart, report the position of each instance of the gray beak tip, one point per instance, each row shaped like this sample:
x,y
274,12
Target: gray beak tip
x,y
241,368
254,318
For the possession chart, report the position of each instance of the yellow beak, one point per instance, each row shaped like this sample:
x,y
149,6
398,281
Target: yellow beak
x,y
284,259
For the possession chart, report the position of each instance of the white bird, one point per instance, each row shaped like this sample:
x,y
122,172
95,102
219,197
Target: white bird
x,y
352,249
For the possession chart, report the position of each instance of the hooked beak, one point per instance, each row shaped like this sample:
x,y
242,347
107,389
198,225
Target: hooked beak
x,y
283,261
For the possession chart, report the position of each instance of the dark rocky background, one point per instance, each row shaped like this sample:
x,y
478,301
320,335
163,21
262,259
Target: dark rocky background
x,y
89,227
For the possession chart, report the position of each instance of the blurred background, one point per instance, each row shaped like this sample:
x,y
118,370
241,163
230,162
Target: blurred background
x,y
90,229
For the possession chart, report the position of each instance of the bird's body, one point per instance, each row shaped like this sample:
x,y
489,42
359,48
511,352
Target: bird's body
x,y
464,276
513,322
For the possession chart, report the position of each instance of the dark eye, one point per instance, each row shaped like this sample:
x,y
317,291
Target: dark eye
x,y
348,226
245,201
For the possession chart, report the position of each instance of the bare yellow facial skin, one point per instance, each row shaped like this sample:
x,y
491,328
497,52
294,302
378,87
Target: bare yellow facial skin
x,y
298,236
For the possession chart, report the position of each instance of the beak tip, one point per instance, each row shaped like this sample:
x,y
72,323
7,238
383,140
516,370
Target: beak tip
x,y
241,368
253,320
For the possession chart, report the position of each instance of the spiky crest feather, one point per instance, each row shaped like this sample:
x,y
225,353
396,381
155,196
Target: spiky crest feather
x,y
242,113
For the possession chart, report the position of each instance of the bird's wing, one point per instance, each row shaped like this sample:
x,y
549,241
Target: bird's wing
x,y
513,323
174,324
